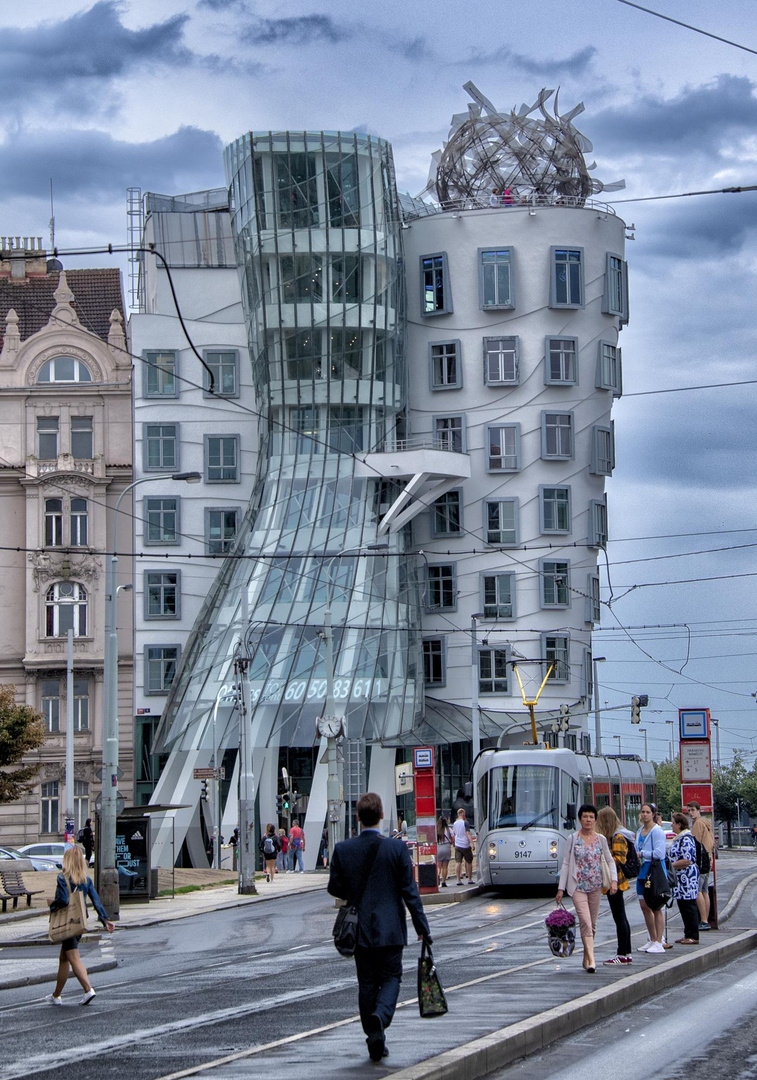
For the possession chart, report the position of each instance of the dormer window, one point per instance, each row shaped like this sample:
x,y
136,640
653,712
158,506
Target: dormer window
x,y
64,369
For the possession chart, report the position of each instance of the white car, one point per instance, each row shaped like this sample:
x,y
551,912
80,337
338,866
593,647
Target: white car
x,y
54,851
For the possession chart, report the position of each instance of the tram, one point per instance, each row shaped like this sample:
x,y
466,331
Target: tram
x,y
526,801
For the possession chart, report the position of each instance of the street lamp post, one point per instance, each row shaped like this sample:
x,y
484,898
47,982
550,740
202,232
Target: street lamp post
x,y
620,748
643,731
597,713
717,741
671,724
475,712
108,872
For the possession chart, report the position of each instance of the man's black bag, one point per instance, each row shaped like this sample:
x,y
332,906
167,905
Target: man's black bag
x,y
431,997
345,930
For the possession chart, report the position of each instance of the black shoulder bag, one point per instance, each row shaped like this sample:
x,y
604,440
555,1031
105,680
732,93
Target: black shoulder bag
x,y
345,926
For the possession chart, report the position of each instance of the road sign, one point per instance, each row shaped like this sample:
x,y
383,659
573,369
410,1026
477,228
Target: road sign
x,y
120,802
119,773
701,793
209,774
696,766
694,723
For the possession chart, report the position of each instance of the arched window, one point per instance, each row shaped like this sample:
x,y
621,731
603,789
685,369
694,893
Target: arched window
x,y
64,369
53,522
66,609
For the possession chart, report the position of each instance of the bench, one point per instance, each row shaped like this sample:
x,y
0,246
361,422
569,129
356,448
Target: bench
x,y
12,884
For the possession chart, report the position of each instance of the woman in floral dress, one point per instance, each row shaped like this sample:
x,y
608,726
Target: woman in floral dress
x,y
683,855
581,878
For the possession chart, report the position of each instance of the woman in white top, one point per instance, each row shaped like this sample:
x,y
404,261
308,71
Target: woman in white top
x,y
650,844
463,848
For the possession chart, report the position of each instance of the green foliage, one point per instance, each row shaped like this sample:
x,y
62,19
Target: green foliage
x,y
21,731
729,783
668,778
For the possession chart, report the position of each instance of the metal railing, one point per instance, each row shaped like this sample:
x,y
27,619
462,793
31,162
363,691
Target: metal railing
x,y
418,442
531,201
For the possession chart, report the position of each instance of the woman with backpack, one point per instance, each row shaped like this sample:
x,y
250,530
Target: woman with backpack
x,y
650,845
683,855
269,848
626,860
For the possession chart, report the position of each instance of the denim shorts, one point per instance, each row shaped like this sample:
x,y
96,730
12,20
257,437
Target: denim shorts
x,y
642,877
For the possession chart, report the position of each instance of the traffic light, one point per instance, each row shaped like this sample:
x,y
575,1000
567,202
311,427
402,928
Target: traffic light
x,y
279,805
204,792
287,802
638,702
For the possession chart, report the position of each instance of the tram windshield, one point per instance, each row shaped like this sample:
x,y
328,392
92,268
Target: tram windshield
x,y
523,795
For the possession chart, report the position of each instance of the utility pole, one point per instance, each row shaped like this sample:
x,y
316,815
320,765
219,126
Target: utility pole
x,y
70,818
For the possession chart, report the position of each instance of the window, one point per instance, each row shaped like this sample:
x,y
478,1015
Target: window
x,y
303,435
492,671
302,349
434,673
555,583
53,522
495,278
160,375
597,523
161,594
501,361
345,356
161,520
610,368
79,523
345,434
224,363
64,369
160,667
441,593
593,606
446,365
345,279
556,436
503,448
50,703
556,651
448,433
221,527
47,438
296,189
603,451
446,515
343,190
501,522
222,459
554,509
498,595
81,803
567,278
436,296
561,357
49,805
81,437
66,609
301,279
81,705
615,299
161,447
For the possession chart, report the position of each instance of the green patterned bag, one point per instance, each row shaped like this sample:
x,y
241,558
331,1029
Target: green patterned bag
x,y
431,999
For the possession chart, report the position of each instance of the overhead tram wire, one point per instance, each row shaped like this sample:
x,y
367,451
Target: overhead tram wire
x,y
688,26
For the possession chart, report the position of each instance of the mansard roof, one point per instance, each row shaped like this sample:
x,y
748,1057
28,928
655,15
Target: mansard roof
x,y
96,294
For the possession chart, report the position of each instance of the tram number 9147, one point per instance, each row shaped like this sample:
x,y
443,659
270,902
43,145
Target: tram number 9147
x,y
522,854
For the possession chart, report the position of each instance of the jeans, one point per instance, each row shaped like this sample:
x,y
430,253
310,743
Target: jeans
x,y
618,910
295,856
379,974
282,860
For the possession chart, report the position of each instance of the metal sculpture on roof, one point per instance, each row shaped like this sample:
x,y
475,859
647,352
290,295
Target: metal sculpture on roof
x,y
518,153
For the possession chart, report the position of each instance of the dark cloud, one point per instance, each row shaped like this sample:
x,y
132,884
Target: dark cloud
x,y
575,64
701,227
91,165
699,119
295,31
222,5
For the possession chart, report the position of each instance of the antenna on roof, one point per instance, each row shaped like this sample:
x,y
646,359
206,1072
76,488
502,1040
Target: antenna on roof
x,y
52,217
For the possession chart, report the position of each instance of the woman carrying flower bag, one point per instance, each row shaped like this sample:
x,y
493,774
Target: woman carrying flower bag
x,y
587,866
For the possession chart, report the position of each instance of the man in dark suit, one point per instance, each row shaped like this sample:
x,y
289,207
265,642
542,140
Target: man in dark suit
x,y
382,928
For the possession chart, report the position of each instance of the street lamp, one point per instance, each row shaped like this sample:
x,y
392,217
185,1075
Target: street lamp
x,y
671,724
620,748
475,711
108,872
643,731
597,715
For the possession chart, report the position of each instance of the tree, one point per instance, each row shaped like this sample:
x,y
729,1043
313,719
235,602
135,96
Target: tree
x,y
728,784
21,730
668,779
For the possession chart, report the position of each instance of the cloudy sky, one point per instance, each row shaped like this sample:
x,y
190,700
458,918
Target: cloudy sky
x,y
147,92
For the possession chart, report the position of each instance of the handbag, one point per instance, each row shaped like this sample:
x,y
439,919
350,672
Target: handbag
x,y
69,921
431,997
345,932
606,875
657,888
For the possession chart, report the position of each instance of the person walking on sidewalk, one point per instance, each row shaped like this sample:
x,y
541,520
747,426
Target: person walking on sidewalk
x,y
383,869
74,878
86,838
581,877
609,827
443,850
269,848
463,846
296,848
702,831
650,844
683,855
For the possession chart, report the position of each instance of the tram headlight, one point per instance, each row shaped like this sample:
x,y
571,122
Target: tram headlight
x,y
492,851
553,849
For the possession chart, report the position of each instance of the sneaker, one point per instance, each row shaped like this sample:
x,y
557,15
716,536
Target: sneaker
x,y
459,882
87,997
51,999
705,926
626,959
613,960
656,947
646,946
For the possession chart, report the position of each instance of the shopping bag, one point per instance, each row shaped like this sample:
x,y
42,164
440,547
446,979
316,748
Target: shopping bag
x,y
431,998
69,921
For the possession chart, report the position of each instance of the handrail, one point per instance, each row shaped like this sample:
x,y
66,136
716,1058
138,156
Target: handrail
x,y
511,202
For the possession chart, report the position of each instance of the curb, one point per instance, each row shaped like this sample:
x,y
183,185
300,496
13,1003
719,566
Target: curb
x,y
32,980
484,1055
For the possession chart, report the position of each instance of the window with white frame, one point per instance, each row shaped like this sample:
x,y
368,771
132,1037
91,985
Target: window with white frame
x,y
66,609
64,369
555,583
160,374
446,514
498,595
615,298
593,605
49,801
222,459
82,437
81,705
221,527
567,289
224,365
441,592
50,705
436,297
161,447
556,436
501,522
492,671
81,803
554,509
448,433
556,651
434,673
161,520
597,523
495,278
561,357
160,667
503,448
446,366
610,368
603,451
47,437
162,594
53,522
501,361
79,523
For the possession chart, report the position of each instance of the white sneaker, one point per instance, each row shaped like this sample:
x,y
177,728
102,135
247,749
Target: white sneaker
x,y
656,947
87,997
51,999
646,946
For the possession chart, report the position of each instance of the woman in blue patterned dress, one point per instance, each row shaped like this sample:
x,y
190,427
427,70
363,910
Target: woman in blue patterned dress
x,y
683,855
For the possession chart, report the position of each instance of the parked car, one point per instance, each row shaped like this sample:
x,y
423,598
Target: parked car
x,y
667,827
53,852
37,862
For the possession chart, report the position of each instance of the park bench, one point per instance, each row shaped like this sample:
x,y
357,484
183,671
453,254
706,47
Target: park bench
x,y
12,885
